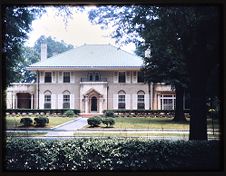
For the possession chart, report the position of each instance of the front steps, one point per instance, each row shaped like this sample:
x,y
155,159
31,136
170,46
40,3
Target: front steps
x,y
88,115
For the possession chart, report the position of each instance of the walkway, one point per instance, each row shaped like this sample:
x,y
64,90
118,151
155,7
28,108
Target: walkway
x,y
67,129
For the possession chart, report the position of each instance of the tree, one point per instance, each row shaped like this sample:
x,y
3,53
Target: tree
x,y
53,46
144,23
192,42
28,57
16,25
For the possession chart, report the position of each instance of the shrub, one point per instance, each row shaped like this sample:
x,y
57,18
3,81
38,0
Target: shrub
x,y
69,113
108,121
109,114
111,154
94,121
41,121
26,121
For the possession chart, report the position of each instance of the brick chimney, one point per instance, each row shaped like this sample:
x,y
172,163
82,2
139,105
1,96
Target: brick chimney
x,y
43,51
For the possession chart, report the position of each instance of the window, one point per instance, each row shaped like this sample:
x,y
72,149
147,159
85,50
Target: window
x,y
122,77
66,101
47,102
140,100
66,78
48,77
94,76
167,102
140,78
121,100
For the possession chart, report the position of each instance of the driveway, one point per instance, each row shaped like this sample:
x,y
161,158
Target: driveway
x,y
67,129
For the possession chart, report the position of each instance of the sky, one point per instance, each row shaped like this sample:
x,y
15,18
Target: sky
x,y
78,31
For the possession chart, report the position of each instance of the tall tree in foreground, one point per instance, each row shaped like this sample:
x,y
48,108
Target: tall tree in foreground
x,y
185,46
17,23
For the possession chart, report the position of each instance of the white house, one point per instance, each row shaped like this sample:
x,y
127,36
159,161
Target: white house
x,y
91,78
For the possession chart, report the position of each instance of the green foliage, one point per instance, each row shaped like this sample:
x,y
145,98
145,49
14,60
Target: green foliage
x,y
69,113
109,113
110,154
26,121
53,46
108,121
51,111
17,24
94,121
41,121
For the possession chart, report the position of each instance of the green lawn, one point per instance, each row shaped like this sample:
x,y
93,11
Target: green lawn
x,y
151,123
14,122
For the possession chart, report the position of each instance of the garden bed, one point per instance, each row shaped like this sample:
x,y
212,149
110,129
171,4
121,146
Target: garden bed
x,y
13,122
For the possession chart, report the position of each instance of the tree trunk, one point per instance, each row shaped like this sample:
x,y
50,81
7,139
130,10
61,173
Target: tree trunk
x,y
198,120
179,112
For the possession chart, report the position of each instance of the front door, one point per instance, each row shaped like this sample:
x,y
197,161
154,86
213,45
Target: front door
x,y
93,104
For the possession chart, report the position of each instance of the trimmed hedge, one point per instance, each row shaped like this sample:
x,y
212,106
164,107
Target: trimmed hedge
x,y
41,121
154,113
69,113
94,121
110,154
108,121
50,111
26,121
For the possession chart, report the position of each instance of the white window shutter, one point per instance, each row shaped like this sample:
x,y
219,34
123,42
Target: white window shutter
x,y
134,101
60,77
115,101
72,100
115,77
53,101
53,77
127,101
41,101
146,101
60,101
72,78
41,77
134,77
128,80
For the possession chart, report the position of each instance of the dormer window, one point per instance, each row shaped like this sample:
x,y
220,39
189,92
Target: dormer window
x,y
48,77
66,77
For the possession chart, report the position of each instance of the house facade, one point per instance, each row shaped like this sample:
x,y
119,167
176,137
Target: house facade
x,y
91,78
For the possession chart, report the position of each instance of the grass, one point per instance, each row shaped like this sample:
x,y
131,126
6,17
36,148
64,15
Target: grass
x,y
14,121
152,123
24,134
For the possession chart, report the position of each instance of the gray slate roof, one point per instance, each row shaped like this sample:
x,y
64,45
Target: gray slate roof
x,y
91,56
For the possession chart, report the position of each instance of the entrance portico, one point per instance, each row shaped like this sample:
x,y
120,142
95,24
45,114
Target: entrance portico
x,y
93,101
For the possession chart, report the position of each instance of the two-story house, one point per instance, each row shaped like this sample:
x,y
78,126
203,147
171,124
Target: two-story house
x,y
91,78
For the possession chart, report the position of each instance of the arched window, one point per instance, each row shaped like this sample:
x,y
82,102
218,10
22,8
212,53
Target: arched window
x,y
47,99
140,99
121,99
66,100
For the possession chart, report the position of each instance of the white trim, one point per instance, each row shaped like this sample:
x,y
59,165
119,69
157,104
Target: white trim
x,y
146,101
127,101
72,99
115,101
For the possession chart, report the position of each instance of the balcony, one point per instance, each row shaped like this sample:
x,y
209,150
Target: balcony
x,y
93,80
22,87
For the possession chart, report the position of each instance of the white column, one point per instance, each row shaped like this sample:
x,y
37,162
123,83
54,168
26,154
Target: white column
x,y
16,102
159,104
32,99
100,105
13,101
86,105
